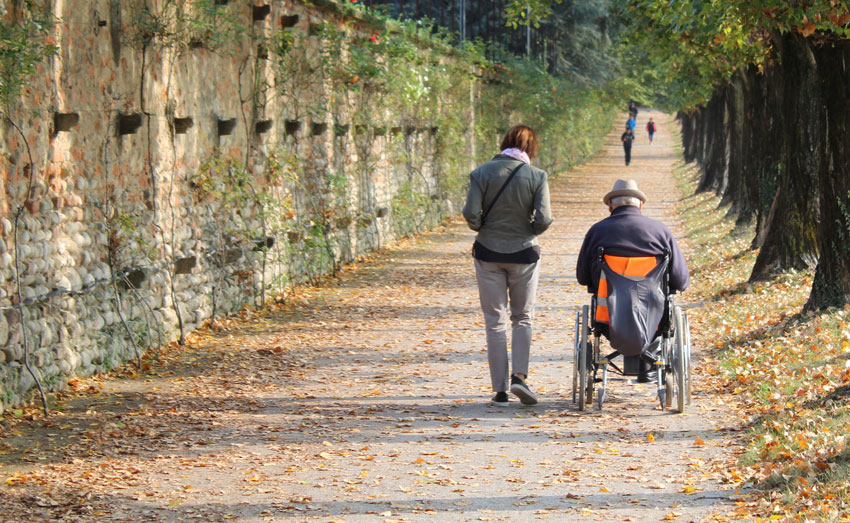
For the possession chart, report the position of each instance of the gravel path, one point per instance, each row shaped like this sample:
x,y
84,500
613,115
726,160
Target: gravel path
x,y
368,400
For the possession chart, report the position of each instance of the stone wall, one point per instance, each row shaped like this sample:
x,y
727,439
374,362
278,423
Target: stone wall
x,y
158,172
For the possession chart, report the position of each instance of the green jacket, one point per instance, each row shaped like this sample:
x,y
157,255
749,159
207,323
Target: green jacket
x,y
521,213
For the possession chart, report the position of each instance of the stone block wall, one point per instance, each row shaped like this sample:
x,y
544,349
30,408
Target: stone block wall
x,y
156,173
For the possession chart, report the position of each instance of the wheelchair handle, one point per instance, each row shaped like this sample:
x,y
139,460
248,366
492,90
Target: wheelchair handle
x,y
667,273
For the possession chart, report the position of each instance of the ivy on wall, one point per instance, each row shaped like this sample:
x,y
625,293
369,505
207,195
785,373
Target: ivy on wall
x,y
25,41
376,125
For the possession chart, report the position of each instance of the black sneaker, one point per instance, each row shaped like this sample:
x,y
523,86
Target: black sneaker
x,y
500,399
521,390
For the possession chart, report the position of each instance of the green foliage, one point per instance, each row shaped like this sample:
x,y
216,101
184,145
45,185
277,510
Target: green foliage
x,y
403,82
228,182
370,78
582,46
129,241
525,12
25,42
6,391
679,52
578,37
181,25
569,120
410,209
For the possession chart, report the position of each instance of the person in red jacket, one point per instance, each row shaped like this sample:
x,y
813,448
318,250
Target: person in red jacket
x,y
650,130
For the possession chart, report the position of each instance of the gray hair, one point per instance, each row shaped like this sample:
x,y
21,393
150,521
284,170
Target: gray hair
x,y
625,200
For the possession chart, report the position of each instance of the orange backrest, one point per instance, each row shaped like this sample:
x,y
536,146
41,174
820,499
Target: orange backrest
x,y
636,266
631,265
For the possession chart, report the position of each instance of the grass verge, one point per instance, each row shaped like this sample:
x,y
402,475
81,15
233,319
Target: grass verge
x,y
789,371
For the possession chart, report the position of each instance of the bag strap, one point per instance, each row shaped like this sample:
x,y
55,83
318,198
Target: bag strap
x,y
504,185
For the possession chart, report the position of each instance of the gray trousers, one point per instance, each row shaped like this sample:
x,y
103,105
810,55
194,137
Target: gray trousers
x,y
501,284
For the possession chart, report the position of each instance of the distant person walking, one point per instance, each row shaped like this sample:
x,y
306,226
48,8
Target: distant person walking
x,y
508,205
627,138
633,110
650,130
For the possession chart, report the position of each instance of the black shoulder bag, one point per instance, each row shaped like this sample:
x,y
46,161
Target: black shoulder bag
x,y
504,185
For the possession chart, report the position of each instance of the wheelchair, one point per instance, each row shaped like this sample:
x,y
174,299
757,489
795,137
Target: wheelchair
x,y
632,297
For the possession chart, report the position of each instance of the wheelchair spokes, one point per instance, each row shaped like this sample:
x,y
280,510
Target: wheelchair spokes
x,y
581,358
672,362
681,358
576,346
585,356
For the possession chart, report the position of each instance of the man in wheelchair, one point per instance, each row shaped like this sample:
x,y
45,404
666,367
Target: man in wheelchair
x,y
633,247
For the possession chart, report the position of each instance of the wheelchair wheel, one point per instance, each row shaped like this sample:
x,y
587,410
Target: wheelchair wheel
x,y
582,359
687,332
679,359
576,345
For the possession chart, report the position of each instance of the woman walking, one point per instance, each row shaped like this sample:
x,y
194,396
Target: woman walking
x,y
508,205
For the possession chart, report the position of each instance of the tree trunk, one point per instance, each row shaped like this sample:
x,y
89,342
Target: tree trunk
x,y
704,146
689,126
701,139
791,241
768,140
696,123
715,134
831,284
738,165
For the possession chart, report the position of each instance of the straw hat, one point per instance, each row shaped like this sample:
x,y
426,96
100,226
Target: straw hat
x,y
624,188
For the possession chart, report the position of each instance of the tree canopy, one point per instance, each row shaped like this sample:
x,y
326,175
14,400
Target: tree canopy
x,y
679,52
692,47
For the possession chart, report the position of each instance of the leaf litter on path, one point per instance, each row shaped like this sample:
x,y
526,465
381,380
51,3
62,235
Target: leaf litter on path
x,y
368,399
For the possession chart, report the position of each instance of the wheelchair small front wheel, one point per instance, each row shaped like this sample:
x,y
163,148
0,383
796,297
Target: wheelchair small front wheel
x,y
600,396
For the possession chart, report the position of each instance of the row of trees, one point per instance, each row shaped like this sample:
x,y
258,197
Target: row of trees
x,y
762,90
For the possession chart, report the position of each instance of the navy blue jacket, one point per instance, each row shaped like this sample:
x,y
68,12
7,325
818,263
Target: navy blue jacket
x,y
627,232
